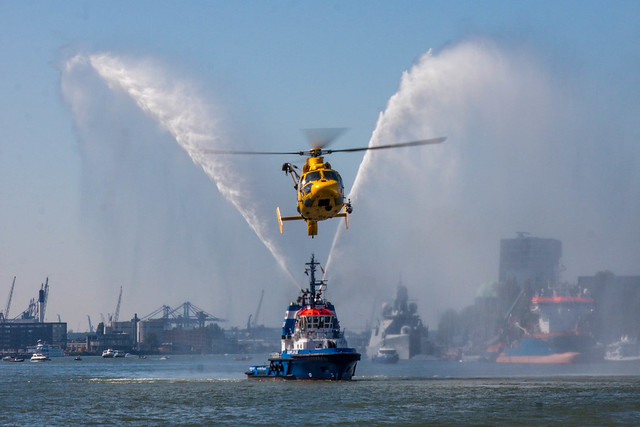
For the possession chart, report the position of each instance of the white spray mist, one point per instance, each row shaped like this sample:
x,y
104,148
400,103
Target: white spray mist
x,y
517,158
191,121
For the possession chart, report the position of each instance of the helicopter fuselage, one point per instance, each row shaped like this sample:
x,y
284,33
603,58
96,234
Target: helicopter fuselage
x,y
320,194
319,188
320,191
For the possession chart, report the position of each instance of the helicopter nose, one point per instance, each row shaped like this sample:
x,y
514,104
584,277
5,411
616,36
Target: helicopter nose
x,y
328,190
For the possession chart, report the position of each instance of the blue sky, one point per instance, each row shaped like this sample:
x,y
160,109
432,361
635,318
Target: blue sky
x,y
269,69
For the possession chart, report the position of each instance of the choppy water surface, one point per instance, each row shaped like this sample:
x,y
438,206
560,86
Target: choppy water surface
x,y
195,390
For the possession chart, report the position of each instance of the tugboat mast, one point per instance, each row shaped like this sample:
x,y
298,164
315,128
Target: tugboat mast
x,y
312,277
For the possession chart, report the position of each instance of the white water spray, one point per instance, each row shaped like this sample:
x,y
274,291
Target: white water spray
x,y
395,125
190,121
519,155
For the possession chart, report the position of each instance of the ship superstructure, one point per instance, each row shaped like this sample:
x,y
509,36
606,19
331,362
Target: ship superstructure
x,y
400,328
559,335
313,345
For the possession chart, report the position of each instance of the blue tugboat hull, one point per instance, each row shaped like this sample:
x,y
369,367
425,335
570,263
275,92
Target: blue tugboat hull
x,y
339,364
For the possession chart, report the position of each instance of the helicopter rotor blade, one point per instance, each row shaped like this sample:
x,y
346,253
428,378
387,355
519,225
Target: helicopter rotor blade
x,y
381,147
334,133
299,153
321,137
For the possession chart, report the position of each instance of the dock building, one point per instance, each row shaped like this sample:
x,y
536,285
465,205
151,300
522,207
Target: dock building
x,y
29,327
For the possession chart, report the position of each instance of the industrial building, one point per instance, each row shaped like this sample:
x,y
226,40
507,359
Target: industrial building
x,y
530,260
16,336
29,327
617,311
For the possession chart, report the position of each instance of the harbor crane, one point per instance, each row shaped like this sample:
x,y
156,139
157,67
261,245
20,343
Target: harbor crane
x,y
90,325
6,311
253,324
117,312
186,315
114,318
37,306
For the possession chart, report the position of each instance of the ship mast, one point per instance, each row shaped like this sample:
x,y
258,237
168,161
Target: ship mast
x,y
311,271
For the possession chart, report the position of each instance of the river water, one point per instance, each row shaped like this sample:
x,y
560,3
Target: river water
x,y
212,389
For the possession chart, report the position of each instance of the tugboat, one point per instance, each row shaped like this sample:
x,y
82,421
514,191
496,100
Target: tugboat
x,y
313,346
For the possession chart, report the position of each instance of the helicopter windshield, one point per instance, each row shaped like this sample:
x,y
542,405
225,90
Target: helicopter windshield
x,y
311,176
332,175
306,188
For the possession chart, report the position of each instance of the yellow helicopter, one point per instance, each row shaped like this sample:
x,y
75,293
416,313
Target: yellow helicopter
x,y
319,188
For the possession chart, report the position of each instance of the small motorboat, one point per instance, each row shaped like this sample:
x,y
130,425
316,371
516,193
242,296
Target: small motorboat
x,y
39,357
386,355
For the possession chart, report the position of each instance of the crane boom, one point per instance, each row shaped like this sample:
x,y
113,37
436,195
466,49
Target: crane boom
x,y
255,317
117,313
6,311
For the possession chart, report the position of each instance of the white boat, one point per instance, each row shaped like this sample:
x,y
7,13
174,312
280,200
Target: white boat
x,y
46,349
112,353
386,355
39,357
625,350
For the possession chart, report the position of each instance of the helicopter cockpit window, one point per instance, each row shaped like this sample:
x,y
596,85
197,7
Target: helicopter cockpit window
x,y
330,175
307,188
311,176
333,175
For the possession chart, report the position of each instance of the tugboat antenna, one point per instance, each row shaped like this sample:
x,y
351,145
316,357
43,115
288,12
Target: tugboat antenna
x,y
311,271
312,275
